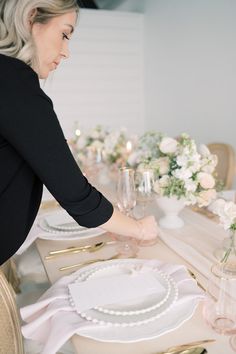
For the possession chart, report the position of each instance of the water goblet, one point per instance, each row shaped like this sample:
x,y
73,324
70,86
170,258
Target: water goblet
x,y
144,185
220,305
145,195
126,201
126,193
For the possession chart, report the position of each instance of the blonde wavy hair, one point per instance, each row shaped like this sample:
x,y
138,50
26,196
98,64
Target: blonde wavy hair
x,y
15,16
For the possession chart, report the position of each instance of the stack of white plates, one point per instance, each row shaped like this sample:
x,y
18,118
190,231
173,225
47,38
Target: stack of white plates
x,y
138,311
61,226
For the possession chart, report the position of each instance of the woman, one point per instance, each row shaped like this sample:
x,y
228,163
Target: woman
x,y
34,36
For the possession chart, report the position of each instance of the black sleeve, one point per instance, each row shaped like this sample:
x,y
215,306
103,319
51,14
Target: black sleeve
x,y
29,123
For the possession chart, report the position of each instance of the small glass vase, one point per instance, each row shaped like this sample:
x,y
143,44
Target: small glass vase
x,y
226,255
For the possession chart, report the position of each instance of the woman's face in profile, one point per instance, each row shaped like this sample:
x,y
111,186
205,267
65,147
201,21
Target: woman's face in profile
x,y
51,41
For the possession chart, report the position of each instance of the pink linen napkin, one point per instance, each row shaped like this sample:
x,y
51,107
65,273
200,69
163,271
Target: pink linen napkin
x,y
52,320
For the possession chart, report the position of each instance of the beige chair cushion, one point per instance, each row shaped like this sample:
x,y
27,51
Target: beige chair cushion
x,y
225,168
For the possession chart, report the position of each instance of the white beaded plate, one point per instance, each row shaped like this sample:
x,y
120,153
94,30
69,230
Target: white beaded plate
x,y
134,317
140,305
67,235
62,221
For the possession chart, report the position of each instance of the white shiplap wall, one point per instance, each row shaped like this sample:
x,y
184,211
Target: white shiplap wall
x,y
102,81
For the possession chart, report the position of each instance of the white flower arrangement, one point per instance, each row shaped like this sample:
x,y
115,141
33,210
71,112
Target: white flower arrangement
x,y
226,210
146,149
113,147
117,147
88,145
182,171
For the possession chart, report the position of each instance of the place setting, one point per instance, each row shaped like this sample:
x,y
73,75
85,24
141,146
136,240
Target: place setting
x,y
156,298
59,225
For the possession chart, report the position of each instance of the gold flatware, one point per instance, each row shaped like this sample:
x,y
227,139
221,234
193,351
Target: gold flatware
x,y
74,250
78,248
88,262
196,350
184,347
198,283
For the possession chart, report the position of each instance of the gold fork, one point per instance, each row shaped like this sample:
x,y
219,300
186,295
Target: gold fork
x,y
75,250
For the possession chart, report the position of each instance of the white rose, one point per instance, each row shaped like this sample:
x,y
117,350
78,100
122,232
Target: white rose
x,y
182,160
168,145
182,174
209,164
195,167
190,185
206,180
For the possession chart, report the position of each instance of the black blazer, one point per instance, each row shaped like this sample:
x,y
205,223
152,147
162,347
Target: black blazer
x,y
33,152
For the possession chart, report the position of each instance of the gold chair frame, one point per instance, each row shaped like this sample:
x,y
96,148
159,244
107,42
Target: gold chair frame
x,y
226,166
11,341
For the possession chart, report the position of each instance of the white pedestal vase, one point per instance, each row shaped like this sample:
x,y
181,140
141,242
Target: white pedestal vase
x,y
171,207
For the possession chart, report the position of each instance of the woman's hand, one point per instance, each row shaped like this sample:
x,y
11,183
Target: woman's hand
x,y
142,229
147,228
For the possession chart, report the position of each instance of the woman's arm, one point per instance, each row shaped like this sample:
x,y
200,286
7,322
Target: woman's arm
x,y
143,229
29,124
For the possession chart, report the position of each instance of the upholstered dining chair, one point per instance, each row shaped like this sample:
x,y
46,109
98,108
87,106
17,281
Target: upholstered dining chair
x,y
9,270
11,341
225,168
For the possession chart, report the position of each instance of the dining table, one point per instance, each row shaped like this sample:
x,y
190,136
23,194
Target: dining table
x,y
191,245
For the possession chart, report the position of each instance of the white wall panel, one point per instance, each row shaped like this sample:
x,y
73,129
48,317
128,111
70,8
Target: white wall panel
x,y
102,81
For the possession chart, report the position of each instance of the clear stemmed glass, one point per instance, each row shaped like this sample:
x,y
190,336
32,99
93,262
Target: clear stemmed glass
x,y
126,193
93,164
144,180
126,201
220,306
144,185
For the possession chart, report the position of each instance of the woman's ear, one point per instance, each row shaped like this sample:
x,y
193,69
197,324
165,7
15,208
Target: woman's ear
x,y
32,16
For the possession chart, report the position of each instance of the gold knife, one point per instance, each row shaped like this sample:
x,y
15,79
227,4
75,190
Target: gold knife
x,y
89,262
75,250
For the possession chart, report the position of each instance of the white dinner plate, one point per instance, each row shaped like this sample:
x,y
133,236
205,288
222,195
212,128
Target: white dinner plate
x,y
62,221
181,311
146,310
173,319
135,306
51,234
